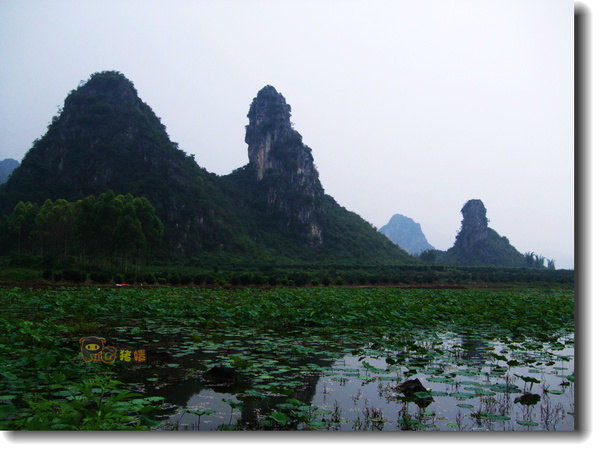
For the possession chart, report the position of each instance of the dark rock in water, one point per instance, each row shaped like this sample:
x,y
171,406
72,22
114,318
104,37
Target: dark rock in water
x,y
222,373
409,387
226,379
528,399
411,390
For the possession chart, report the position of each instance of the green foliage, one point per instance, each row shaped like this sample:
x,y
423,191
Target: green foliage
x,y
110,228
19,275
94,404
47,388
537,261
493,250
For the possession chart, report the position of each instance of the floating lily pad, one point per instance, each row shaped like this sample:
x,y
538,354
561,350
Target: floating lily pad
x,y
499,418
465,405
206,412
462,395
527,423
279,417
340,379
440,380
422,394
438,393
254,393
510,388
484,392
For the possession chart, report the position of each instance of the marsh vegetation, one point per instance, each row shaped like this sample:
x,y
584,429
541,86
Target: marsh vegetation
x,y
289,358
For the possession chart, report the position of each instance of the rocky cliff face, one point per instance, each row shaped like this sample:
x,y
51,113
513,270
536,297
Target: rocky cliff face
x,y
283,165
474,226
406,234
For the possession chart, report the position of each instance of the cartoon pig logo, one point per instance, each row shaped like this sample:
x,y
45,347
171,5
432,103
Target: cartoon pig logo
x,y
93,349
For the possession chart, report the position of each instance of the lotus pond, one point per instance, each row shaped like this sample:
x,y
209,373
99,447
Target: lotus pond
x,y
288,359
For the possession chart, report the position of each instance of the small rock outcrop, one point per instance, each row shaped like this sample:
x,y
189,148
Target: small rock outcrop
x,y
221,373
406,234
409,387
282,163
474,226
479,245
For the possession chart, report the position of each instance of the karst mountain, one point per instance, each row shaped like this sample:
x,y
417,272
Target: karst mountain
x,y
272,210
406,234
479,245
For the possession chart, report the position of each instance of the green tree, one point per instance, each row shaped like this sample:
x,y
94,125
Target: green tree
x,y
21,224
111,229
53,227
152,227
529,259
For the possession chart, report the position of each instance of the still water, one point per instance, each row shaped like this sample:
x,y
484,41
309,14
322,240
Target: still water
x,y
248,381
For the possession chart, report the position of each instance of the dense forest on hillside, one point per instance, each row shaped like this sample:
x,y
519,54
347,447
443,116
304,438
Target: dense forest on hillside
x,y
111,231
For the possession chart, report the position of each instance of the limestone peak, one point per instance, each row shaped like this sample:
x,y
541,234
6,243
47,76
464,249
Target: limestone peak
x,y
474,216
279,158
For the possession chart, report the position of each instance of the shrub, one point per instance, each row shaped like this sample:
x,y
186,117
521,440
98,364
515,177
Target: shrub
x,y
129,278
100,277
149,278
185,279
74,276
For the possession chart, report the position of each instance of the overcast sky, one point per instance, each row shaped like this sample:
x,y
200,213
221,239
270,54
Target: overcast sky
x,y
410,107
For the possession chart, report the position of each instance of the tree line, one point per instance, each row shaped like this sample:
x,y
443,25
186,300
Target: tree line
x,y
110,230
415,276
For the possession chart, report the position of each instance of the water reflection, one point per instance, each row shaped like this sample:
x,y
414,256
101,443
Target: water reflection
x,y
472,389
302,382
205,400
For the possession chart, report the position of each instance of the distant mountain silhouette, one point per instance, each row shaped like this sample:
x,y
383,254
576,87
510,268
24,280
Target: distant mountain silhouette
x,y
406,234
6,168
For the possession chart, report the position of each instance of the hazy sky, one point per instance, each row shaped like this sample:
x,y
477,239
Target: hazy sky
x,y
410,107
